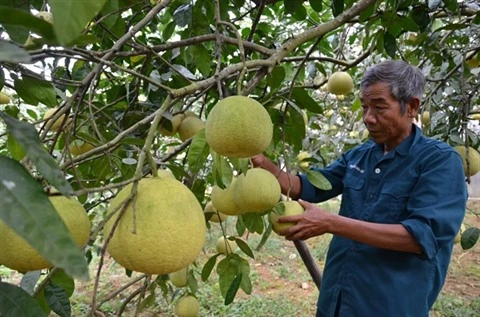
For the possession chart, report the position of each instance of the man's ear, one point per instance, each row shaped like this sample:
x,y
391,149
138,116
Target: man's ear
x,y
413,107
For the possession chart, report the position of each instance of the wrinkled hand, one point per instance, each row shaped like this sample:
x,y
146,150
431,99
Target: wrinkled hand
x,y
313,222
258,160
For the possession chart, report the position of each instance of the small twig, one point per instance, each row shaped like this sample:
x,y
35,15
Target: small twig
x,y
122,207
121,289
128,300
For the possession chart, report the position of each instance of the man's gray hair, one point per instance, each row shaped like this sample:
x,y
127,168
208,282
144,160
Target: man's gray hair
x,y
406,81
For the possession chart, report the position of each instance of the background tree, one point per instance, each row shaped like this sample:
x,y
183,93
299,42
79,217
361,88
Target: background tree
x,y
115,72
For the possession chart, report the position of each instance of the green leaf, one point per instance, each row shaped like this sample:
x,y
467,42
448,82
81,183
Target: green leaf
x,y
390,45
33,91
244,247
27,137
29,280
26,21
198,151
451,5
294,126
168,31
57,300
70,17
240,226
110,9
232,290
408,24
14,301
201,57
149,301
318,180
454,26
337,7
421,16
183,15
208,267
228,269
63,280
469,238
192,282
27,210
367,13
316,5
14,148
276,78
253,221
265,236
222,171
304,101
12,53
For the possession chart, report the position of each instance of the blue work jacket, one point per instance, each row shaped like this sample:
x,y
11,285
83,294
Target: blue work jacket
x,y
419,184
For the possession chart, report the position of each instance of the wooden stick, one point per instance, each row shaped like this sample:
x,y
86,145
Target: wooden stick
x,y
309,261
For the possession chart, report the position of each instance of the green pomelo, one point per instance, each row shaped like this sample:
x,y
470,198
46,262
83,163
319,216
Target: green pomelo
x,y
238,126
222,200
256,191
473,158
284,208
17,254
179,278
167,233
189,127
187,306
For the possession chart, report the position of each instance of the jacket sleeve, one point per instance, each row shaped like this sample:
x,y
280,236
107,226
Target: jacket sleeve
x,y
438,202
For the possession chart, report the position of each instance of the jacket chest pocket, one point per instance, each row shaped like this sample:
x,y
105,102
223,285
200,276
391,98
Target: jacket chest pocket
x,y
392,203
353,195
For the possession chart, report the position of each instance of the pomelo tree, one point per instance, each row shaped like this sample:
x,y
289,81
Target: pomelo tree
x,y
119,72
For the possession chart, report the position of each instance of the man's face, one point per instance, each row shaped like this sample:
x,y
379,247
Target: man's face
x,y
383,118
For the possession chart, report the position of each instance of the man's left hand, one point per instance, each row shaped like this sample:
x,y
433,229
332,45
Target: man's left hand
x,y
313,222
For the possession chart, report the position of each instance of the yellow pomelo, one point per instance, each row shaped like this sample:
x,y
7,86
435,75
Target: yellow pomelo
x,y
222,200
475,116
170,227
4,98
216,216
79,147
189,127
190,113
340,83
225,246
473,158
179,278
284,208
18,254
303,155
238,126
256,191
426,117
165,174
187,306
304,164
56,125
175,122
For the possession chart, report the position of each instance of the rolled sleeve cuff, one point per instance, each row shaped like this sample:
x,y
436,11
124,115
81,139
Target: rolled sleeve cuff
x,y
308,191
423,234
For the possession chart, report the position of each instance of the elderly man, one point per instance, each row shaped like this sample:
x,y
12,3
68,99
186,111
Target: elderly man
x,y
403,201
